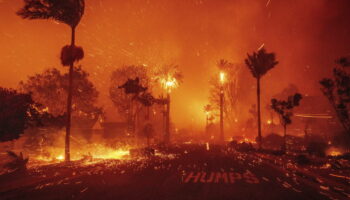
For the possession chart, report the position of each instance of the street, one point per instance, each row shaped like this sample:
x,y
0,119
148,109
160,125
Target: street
x,y
190,173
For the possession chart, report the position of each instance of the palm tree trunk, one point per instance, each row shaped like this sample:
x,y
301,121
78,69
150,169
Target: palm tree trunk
x,y
259,114
285,138
340,117
69,103
222,137
148,143
167,121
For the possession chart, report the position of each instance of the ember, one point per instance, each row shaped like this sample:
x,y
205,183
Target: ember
x,y
174,99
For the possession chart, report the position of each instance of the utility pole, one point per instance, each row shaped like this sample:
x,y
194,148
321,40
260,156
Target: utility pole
x,y
222,138
222,81
167,121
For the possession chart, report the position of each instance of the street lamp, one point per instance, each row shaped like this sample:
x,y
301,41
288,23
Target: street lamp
x,y
222,82
168,84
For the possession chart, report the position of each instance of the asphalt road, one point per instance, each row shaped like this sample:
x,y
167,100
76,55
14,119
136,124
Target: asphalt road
x,y
191,173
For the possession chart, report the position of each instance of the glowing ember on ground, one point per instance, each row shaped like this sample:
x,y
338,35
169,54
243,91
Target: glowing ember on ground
x,y
247,140
60,157
333,151
94,151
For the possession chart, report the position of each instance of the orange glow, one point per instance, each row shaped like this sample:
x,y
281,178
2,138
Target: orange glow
x,y
333,151
247,140
169,83
207,113
193,34
60,157
86,151
222,77
269,122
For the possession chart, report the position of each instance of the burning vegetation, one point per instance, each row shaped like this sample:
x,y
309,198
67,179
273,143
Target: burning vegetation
x,y
128,106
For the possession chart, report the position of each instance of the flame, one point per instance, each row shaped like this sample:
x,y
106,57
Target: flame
x,y
60,157
94,151
222,77
247,140
269,122
169,83
333,151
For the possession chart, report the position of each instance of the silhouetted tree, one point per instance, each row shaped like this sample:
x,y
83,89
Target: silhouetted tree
x,y
128,109
148,132
17,112
285,111
259,63
69,12
50,88
337,91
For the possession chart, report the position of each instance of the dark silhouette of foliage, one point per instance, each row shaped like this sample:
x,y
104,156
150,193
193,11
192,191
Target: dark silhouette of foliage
x,y
343,61
259,63
337,91
50,89
284,109
69,12
17,163
17,112
133,86
317,148
273,141
146,99
148,132
65,11
71,54
127,108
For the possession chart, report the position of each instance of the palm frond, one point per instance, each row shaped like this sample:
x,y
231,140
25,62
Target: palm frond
x,y
65,11
259,63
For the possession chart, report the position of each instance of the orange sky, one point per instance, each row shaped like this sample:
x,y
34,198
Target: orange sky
x,y
307,37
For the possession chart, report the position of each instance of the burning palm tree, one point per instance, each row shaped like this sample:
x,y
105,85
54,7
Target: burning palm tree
x,y
68,12
169,77
259,63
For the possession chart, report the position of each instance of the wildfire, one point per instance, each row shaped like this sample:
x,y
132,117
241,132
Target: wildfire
x,y
60,157
247,140
222,77
333,151
88,152
169,83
